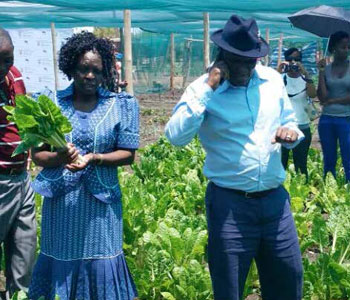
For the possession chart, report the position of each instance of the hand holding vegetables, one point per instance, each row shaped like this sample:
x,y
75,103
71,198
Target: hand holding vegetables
x,y
41,122
67,155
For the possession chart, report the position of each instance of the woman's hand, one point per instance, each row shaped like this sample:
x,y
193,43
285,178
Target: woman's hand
x,y
67,155
321,65
75,166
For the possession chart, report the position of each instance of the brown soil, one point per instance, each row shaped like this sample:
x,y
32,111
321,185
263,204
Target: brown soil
x,y
155,111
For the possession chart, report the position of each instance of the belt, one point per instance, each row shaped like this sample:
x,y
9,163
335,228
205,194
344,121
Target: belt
x,y
11,171
253,194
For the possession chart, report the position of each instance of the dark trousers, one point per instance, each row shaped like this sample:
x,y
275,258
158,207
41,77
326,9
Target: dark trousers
x,y
300,153
331,131
242,229
17,230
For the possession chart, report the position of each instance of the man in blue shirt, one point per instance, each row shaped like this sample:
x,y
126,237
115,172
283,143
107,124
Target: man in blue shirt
x,y
242,114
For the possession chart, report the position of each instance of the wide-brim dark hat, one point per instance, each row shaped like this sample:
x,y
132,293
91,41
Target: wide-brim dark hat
x,y
241,37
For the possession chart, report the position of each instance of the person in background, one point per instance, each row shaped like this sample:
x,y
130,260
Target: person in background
x,y
17,209
242,114
81,255
300,88
120,84
334,94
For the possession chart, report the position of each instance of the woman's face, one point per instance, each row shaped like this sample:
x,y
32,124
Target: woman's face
x,y
88,74
341,49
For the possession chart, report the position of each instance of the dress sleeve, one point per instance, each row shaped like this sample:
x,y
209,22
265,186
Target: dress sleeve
x,y
128,133
45,92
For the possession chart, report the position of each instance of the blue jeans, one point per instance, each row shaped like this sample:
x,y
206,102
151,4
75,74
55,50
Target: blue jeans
x,y
242,229
331,130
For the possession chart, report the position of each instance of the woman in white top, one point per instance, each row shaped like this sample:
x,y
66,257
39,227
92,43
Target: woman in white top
x,y
300,88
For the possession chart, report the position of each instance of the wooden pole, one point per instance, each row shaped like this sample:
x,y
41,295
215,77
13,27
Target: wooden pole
x,y
280,45
187,62
206,45
128,51
121,32
54,54
267,38
172,61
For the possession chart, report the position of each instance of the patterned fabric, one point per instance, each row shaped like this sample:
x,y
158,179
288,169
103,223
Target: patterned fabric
x,y
95,279
113,124
9,138
94,228
82,211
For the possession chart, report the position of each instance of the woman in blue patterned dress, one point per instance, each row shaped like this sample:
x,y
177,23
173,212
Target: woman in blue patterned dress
x,y
81,237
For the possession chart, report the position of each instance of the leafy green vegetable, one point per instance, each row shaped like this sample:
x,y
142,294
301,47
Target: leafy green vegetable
x,y
165,226
38,122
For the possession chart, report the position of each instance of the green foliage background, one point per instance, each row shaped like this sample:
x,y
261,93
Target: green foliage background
x,y
165,227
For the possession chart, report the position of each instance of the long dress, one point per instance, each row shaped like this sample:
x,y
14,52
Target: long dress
x,y
81,232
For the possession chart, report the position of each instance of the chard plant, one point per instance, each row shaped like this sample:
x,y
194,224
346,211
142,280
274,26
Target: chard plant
x,y
39,122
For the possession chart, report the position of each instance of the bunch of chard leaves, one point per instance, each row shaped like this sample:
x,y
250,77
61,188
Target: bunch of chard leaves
x,y
39,122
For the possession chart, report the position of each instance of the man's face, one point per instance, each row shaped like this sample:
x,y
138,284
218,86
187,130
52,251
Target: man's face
x,y
6,57
241,68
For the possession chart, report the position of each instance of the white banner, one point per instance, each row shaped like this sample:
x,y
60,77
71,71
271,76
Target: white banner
x,y
34,59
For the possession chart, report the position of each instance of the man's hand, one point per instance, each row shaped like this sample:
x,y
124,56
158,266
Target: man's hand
x,y
285,135
218,72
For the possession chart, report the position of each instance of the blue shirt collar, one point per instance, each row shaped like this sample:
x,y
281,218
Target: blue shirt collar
x,y
68,92
258,76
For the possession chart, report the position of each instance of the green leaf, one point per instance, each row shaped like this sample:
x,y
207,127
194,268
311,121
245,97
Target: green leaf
x,y
9,109
39,122
337,272
25,121
21,148
297,204
167,296
319,232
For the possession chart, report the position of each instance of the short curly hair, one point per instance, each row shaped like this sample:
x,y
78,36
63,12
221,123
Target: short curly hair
x,y
335,38
291,51
79,44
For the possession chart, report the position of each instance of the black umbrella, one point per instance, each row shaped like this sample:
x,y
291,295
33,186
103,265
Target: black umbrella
x,y
322,20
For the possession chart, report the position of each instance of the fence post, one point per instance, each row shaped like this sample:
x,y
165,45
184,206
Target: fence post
x,y
128,51
206,45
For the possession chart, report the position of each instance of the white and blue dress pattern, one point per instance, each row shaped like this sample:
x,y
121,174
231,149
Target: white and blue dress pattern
x,y
81,239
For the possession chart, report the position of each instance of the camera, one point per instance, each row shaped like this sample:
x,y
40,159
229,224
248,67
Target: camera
x,y
290,67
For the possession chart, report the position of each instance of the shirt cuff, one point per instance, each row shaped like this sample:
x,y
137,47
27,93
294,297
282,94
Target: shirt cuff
x,y
199,101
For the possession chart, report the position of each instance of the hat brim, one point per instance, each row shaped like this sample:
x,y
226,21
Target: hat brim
x,y
216,37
